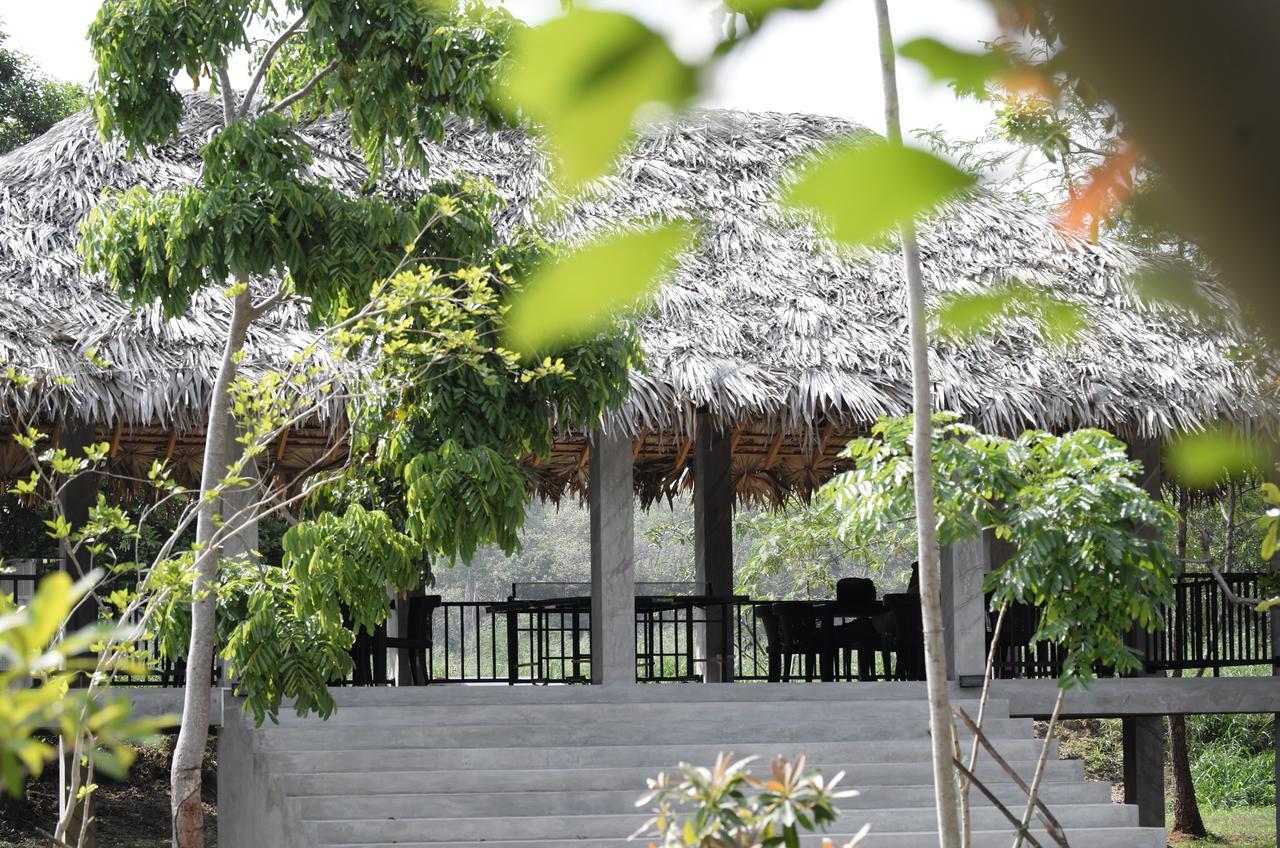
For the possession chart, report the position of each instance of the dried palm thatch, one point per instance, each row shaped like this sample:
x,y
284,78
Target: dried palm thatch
x,y
788,343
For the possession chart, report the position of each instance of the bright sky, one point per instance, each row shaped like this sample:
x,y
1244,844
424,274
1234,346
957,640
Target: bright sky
x,y
824,62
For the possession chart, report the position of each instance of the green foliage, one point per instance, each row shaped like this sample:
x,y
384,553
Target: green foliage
x,y
865,188
1227,777
577,296
582,77
726,807
443,419
37,668
1089,543
756,11
30,103
397,68
799,551
967,72
400,68
1214,455
255,214
964,316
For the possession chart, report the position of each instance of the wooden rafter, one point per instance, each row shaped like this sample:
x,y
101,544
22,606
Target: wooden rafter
x,y
173,443
282,443
774,447
823,438
115,438
585,456
682,455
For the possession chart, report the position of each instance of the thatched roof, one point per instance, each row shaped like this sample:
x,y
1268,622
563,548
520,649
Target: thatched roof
x,y
789,343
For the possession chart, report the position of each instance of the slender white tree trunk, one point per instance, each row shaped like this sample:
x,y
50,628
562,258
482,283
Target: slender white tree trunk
x,y
942,730
193,735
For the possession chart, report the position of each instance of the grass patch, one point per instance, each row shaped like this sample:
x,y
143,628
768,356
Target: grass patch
x,y
1242,827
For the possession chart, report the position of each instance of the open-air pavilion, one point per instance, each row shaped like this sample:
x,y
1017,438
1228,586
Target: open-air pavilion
x,y
765,353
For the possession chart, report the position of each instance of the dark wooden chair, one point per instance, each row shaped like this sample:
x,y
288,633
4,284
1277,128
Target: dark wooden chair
x,y
857,596
800,638
902,631
773,647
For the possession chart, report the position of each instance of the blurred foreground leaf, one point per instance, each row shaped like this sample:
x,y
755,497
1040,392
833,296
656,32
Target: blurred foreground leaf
x,y
965,316
583,76
576,296
1212,456
967,73
864,189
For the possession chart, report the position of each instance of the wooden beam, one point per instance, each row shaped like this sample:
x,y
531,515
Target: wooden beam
x,y
822,445
281,443
55,433
682,455
734,438
772,456
115,438
173,443
585,456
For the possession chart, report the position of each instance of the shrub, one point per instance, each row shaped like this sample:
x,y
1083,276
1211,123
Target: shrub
x,y
1226,776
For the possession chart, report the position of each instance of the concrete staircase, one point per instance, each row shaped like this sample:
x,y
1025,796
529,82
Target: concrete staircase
x,y
540,767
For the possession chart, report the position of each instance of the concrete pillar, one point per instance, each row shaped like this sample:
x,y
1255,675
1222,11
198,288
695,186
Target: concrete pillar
x,y
76,498
964,608
613,572
713,542
1143,746
1143,737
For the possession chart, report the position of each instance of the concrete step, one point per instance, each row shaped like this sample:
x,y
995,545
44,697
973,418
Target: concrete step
x,y
729,731
549,802
1099,837
403,715
657,756
500,693
358,783
573,827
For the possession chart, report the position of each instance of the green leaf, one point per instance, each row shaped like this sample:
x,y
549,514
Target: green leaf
x,y
865,188
756,11
1176,287
1214,455
966,315
576,296
583,77
968,73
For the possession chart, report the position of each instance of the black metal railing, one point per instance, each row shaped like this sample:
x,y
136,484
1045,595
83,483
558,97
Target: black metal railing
x,y
1203,630
548,640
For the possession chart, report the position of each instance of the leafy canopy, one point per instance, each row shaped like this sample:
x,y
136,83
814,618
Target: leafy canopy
x,y
30,103
417,288
1089,549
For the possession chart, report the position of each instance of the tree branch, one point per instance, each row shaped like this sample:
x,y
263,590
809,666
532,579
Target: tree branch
x,y
306,89
1231,596
270,54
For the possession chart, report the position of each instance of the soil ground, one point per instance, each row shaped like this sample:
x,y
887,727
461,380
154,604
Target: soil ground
x,y
130,814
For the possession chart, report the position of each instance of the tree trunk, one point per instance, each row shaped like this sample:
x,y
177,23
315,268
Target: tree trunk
x,y
193,735
1186,809
942,730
